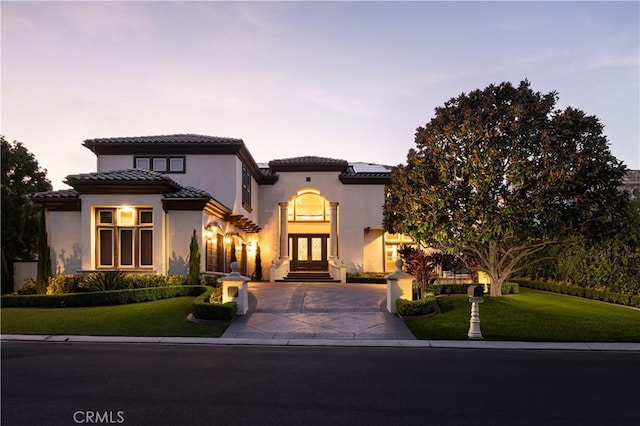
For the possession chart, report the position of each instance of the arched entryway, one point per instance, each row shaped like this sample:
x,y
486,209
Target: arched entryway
x,y
308,231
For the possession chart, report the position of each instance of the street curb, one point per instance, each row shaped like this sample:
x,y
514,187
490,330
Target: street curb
x,y
433,344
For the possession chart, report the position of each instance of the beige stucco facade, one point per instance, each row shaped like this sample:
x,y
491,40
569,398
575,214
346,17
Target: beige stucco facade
x,y
228,199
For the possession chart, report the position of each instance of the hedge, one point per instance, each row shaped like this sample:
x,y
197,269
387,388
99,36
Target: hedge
x,y
367,278
77,283
99,298
508,287
424,306
587,293
201,308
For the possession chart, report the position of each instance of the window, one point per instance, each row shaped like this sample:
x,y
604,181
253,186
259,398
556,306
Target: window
x,y
162,164
392,242
176,164
142,163
246,187
308,207
127,241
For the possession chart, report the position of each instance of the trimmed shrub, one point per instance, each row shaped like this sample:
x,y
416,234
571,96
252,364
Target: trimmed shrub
x,y
209,280
61,284
215,311
29,286
144,280
509,287
588,293
367,278
424,306
439,289
201,308
216,295
100,298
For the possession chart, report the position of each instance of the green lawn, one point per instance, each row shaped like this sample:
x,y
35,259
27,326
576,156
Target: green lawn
x,y
533,316
529,316
166,317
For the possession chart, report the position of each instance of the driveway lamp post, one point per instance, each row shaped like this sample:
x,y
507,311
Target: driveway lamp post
x,y
475,294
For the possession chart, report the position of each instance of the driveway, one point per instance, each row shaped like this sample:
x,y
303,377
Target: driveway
x,y
318,311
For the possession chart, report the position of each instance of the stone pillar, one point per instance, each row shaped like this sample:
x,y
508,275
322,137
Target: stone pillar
x,y
333,236
234,289
284,233
399,286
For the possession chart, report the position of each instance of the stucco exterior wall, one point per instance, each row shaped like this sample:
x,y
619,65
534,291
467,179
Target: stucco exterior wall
x,y
373,251
360,206
23,271
108,163
180,226
65,239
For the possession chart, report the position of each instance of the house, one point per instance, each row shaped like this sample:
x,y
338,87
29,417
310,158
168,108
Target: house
x,y
137,212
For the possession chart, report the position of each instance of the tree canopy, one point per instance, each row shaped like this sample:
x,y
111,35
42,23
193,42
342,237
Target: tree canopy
x,y
499,174
22,177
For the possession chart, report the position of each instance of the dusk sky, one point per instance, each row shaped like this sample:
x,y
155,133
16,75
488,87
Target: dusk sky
x,y
347,80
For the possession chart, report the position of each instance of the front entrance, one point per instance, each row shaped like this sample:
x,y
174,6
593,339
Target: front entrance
x,y
308,252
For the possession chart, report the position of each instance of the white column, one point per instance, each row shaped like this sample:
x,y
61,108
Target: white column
x,y
284,234
333,236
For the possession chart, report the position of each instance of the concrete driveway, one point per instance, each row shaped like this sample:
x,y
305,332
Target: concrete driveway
x,y
318,311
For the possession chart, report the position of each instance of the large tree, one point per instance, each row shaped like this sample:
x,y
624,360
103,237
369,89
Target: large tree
x,y
21,178
499,174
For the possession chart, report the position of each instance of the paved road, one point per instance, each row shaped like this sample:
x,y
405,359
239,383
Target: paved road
x,y
150,384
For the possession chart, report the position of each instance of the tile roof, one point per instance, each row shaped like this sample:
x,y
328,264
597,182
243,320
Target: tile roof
x,y
631,177
309,160
187,138
129,175
60,194
188,192
121,181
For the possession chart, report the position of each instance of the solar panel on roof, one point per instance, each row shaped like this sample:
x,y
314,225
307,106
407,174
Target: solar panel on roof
x,y
369,168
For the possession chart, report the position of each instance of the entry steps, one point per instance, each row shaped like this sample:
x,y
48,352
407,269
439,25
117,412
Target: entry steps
x,y
309,277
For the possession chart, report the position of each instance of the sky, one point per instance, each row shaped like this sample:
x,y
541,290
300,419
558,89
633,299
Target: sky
x,y
346,80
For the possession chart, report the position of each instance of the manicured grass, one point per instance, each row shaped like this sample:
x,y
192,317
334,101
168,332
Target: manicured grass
x,y
533,316
166,317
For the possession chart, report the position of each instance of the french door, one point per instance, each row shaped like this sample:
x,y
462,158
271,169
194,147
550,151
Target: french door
x,y
308,252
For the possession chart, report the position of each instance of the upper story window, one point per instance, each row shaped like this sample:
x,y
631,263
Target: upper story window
x,y
308,206
246,187
162,164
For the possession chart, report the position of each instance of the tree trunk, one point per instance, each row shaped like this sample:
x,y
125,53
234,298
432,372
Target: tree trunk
x,y
496,286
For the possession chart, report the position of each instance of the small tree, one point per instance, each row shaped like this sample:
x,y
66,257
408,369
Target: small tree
x,y
22,177
44,256
233,257
194,261
419,264
258,264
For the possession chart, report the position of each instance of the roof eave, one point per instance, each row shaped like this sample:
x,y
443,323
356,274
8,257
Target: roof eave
x,y
122,187
365,180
